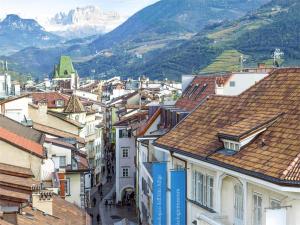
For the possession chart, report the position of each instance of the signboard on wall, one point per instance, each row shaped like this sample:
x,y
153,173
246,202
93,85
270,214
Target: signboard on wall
x,y
178,197
159,175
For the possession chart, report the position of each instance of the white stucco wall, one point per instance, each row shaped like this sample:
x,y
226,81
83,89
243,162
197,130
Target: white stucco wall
x,y
122,182
242,81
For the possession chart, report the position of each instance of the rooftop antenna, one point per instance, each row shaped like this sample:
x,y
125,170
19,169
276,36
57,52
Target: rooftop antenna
x,y
242,60
277,54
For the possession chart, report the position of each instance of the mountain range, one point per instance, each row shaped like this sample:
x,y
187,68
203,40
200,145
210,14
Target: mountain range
x,y
17,33
83,21
174,37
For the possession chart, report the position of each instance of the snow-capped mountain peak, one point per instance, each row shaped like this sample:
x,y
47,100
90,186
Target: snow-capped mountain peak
x,y
85,21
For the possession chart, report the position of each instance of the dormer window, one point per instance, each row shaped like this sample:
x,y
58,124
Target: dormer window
x,y
241,133
229,145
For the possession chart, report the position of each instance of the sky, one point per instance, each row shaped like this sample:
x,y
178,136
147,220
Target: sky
x,y
41,9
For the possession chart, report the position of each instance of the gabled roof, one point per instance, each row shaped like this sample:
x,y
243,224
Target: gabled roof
x,y
273,155
15,170
13,98
74,105
21,142
248,126
64,117
135,118
143,129
62,211
56,132
200,88
21,130
50,98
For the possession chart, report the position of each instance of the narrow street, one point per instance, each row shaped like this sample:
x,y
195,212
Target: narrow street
x,y
109,214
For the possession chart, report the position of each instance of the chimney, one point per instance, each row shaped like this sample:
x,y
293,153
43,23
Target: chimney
x,y
42,107
43,201
261,65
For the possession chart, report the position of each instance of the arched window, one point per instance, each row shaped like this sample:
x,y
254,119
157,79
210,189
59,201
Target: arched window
x,y
238,204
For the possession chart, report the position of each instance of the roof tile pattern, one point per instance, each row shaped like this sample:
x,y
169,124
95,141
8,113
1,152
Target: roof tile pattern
x,y
200,88
74,105
273,155
21,142
50,98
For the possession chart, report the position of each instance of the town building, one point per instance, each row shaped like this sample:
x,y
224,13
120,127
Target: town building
x,y
64,75
163,118
240,157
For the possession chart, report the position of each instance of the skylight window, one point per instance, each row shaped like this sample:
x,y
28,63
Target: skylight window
x,y
194,89
201,91
187,90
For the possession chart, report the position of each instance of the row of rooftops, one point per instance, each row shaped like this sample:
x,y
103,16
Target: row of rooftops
x,y
263,121
17,187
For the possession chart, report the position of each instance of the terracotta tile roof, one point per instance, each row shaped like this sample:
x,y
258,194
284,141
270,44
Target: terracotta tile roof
x,y
143,129
69,212
273,155
125,121
17,182
3,222
63,213
15,170
57,133
21,142
74,105
64,117
200,88
58,142
248,126
21,130
50,98
13,195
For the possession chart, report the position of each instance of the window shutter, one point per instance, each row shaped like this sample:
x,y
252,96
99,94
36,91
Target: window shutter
x,y
193,197
129,133
120,134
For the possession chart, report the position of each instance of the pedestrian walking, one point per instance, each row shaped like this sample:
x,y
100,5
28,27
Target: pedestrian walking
x,y
112,169
106,203
98,218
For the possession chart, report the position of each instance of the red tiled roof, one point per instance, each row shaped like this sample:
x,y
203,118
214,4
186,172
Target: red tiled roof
x,y
50,98
15,170
21,142
143,129
200,88
56,132
130,119
273,155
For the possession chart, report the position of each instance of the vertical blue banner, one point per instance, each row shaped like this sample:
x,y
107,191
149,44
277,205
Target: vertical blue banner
x,y
178,197
159,175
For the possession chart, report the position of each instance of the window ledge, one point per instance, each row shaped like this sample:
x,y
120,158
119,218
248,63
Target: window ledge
x,y
202,206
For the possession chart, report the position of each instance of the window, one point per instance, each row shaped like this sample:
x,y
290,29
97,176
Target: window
x,y
62,161
59,103
257,209
238,204
231,145
124,133
203,189
125,172
232,83
193,91
275,204
125,152
67,187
